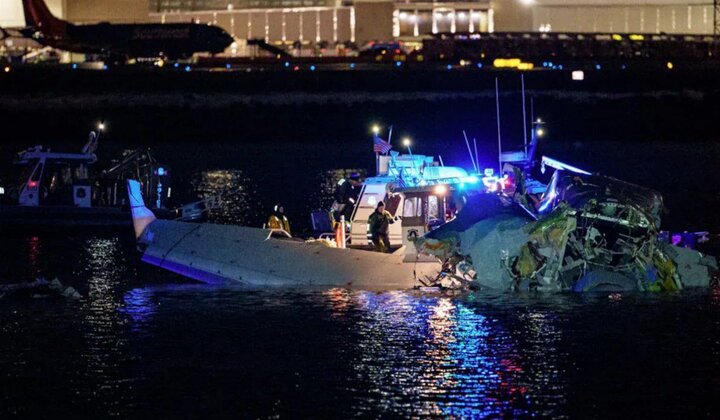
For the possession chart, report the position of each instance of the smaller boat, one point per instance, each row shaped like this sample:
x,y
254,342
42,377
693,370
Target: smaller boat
x,y
62,189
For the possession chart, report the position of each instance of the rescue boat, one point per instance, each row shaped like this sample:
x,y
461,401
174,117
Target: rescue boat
x,y
417,191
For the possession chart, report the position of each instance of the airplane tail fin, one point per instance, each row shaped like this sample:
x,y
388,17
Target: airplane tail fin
x,y
39,16
141,215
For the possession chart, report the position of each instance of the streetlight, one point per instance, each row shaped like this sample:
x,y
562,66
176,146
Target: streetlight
x,y
101,126
540,132
375,129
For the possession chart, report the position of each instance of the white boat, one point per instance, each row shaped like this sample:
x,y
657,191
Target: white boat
x,y
62,189
414,186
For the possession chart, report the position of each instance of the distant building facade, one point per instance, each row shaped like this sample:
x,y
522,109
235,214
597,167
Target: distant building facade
x,y
360,21
356,21
365,20
614,16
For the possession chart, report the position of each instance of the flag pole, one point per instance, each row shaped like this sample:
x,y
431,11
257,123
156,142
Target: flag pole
x,y
390,137
377,158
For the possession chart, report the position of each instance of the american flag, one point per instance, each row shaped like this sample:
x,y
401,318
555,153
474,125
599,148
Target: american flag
x,y
380,145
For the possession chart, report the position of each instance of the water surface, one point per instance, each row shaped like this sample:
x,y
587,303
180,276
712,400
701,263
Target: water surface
x,y
142,342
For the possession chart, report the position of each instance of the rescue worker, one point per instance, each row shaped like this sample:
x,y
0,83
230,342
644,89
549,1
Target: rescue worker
x,y
345,195
379,223
277,219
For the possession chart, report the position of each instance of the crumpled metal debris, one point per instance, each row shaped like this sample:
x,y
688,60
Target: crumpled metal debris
x,y
39,288
592,233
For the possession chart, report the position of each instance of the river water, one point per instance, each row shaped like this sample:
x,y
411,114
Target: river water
x,y
142,342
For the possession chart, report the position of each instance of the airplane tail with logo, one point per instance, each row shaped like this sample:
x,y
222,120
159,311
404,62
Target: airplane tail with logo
x,y
38,15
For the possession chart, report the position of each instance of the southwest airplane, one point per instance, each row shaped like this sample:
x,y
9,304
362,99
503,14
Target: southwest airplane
x,y
175,40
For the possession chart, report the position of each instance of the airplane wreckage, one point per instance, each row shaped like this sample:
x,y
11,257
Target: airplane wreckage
x,y
589,233
580,232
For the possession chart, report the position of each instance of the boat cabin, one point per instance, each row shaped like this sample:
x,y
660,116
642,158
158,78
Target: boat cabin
x,y
415,187
49,178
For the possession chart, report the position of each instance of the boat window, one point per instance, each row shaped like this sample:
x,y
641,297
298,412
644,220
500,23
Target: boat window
x,y
26,171
392,203
81,172
412,207
37,173
433,208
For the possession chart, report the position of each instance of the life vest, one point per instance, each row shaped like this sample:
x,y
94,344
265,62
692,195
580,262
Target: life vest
x,y
278,222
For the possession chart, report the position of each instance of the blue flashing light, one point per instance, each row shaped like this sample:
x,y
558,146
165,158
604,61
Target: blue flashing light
x,y
550,64
479,65
449,66
598,66
560,66
74,66
227,66
161,171
187,68
312,68
176,65
398,63
105,67
352,65
470,179
623,67
287,64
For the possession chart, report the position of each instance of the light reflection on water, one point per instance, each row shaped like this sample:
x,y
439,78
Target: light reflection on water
x,y
103,329
243,204
237,192
34,254
435,356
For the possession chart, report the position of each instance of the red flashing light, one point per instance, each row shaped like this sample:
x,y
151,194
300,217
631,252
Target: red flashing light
x,y
32,184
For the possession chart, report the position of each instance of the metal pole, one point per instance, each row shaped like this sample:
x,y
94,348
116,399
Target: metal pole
x,y
477,158
470,152
497,109
342,232
522,79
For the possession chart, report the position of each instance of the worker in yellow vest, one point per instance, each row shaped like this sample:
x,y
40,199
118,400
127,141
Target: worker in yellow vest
x,y
277,219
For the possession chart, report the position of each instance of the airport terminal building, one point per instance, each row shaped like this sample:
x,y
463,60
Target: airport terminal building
x,y
360,21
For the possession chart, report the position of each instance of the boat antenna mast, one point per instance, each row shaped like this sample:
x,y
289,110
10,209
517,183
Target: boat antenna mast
x,y
497,110
524,114
467,143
